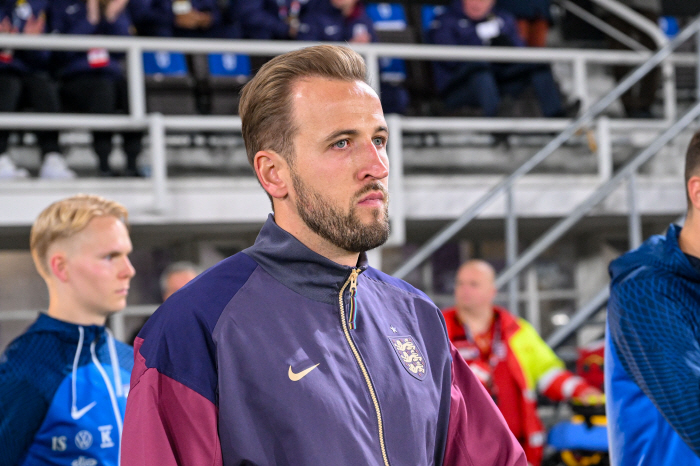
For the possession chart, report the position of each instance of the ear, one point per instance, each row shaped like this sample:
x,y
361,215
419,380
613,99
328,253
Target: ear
x,y
57,266
271,169
694,191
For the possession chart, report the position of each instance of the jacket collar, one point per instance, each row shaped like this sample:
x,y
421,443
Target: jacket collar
x,y
297,267
67,331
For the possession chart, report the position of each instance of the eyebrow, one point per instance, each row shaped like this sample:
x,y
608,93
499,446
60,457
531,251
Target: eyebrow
x,y
352,132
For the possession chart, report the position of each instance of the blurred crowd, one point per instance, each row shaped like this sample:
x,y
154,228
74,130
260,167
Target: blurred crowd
x,y
94,81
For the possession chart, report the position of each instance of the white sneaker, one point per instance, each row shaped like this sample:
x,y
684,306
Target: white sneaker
x,y
55,168
8,169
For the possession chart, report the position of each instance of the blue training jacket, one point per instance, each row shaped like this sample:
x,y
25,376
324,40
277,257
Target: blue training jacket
x,y
652,359
63,391
278,356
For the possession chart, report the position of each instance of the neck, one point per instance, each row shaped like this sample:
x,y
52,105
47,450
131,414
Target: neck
x,y
295,226
688,240
477,320
69,311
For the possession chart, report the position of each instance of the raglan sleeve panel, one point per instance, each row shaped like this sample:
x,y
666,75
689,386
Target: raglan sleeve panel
x,y
477,434
655,334
166,422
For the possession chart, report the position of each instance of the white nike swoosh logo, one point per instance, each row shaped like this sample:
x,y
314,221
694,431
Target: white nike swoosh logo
x,y
296,377
78,413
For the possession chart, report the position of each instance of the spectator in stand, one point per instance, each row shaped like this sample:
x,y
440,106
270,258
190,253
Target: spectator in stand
x,y
271,19
639,99
24,77
509,357
178,18
93,81
533,19
481,84
347,21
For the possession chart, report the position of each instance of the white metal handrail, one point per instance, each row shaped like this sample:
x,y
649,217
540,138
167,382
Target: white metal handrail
x,y
135,46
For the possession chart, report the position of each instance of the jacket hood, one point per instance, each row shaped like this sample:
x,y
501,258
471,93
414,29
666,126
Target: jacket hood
x,y
66,331
661,252
296,266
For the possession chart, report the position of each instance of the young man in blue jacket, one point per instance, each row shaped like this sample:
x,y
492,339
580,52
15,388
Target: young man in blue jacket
x,y
481,84
63,383
652,358
295,351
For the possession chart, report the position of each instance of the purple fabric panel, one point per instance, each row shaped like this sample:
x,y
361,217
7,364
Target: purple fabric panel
x,y
167,423
177,338
478,434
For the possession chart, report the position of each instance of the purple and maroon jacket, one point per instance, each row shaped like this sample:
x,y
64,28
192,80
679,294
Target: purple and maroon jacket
x,y
255,363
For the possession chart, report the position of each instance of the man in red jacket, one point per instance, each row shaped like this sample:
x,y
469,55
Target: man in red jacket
x,y
508,356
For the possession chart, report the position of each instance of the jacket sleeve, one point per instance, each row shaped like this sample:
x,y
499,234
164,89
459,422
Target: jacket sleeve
x,y
254,18
654,330
477,433
542,366
22,411
166,422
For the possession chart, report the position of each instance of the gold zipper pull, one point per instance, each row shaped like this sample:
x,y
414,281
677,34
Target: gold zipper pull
x,y
352,314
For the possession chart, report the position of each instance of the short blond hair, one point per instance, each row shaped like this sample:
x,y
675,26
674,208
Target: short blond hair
x,y
266,105
65,218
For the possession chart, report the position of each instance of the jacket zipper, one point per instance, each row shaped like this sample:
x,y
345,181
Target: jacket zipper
x,y
352,281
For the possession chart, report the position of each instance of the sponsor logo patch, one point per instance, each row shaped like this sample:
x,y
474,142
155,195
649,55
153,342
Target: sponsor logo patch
x,y
410,355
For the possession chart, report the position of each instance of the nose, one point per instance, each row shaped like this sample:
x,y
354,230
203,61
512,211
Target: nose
x,y
128,270
375,163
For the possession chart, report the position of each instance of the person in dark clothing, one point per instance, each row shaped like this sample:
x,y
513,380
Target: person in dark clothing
x,y
476,23
24,78
533,19
271,19
347,21
93,81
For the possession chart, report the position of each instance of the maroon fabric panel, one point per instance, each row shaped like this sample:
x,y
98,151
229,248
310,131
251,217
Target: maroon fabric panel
x,y
166,422
478,434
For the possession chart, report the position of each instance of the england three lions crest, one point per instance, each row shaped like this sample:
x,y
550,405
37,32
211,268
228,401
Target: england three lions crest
x,y
410,355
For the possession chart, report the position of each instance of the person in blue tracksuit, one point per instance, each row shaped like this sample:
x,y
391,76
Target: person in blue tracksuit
x,y
652,358
93,81
271,19
481,84
24,77
64,382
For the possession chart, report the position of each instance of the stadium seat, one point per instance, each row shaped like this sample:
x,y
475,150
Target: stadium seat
x,y
222,74
389,20
169,86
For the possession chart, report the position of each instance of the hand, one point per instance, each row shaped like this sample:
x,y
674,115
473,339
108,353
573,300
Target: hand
x,y
93,12
361,38
113,9
35,25
205,20
590,396
6,26
189,20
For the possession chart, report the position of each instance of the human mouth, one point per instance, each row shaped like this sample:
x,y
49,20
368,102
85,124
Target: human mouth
x,y
375,199
123,291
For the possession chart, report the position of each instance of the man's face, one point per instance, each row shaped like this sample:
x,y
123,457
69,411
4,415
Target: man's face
x,y
340,167
474,288
477,9
98,269
344,4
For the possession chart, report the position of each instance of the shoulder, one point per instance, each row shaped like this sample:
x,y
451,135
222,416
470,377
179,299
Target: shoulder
x,y
125,353
397,285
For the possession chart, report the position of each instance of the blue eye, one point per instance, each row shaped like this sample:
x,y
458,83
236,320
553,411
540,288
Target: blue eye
x,y
379,141
341,144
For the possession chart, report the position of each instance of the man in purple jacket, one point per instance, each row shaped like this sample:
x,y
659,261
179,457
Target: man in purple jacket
x,y
295,351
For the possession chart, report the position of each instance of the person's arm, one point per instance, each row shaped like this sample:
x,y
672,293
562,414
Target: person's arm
x,y
166,422
22,411
477,433
545,368
654,329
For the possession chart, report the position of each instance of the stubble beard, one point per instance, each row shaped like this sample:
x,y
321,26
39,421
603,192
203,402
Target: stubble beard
x,y
345,231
